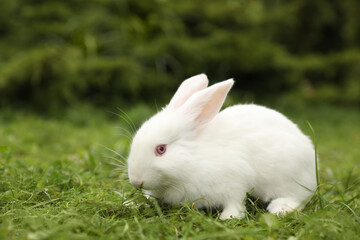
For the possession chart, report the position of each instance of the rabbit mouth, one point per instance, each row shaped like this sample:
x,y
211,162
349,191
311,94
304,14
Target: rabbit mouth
x,y
142,185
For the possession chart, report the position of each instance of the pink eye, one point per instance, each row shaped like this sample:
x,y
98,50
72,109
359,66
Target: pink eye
x,y
160,149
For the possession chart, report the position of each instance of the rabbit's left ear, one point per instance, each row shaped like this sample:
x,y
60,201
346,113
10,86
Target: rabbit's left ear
x,y
188,88
203,106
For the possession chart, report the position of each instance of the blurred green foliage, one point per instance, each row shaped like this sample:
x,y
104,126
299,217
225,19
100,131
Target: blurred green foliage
x,y
56,52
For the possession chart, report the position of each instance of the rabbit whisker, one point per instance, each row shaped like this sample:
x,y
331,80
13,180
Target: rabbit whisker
x,y
124,135
123,118
120,160
128,117
118,167
129,134
113,151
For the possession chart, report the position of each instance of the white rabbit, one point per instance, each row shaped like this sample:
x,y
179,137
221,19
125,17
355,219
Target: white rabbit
x,y
191,152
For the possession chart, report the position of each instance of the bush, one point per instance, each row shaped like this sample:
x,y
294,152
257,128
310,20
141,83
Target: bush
x,y
56,52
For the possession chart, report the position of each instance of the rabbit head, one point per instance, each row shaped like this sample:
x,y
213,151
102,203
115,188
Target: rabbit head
x,y
165,143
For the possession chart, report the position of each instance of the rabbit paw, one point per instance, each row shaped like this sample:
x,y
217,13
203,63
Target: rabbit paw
x,y
281,206
235,211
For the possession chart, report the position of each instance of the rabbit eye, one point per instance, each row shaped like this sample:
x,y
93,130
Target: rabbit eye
x,y
160,150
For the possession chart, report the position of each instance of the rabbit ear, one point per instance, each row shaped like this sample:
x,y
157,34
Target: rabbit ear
x,y
188,88
204,105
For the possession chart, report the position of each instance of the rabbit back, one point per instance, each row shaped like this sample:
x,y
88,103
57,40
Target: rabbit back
x,y
280,156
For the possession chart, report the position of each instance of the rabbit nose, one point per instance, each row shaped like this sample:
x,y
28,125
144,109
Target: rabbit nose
x,y
137,183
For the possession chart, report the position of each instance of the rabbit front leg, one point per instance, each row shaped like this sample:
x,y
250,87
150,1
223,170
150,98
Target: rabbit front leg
x,y
233,209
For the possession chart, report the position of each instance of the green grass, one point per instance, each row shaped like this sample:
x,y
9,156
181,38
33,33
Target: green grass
x,y
57,181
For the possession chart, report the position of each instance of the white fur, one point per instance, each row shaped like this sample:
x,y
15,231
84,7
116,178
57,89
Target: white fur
x,y
215,158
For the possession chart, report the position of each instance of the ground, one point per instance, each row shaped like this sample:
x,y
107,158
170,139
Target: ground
x,y
58,181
